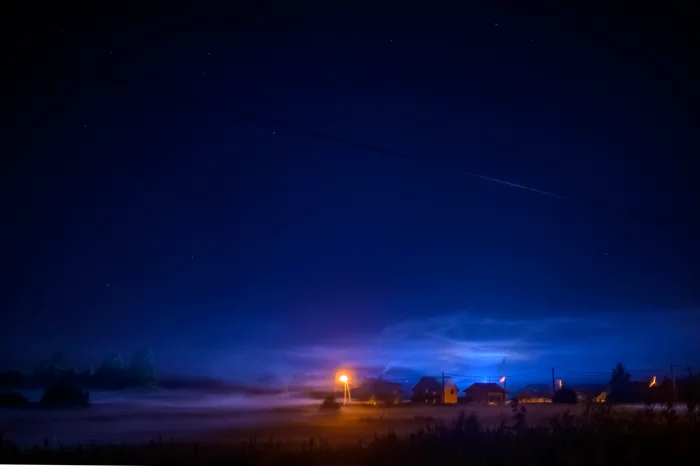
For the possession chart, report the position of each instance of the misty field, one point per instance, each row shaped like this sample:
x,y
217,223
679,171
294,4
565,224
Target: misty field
x,y
212,418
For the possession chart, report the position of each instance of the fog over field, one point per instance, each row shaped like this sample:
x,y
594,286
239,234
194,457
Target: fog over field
x,y
130,416
220,418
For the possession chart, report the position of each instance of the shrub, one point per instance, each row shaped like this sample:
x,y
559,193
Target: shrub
x,y
330,403
64,396
564,395
13,400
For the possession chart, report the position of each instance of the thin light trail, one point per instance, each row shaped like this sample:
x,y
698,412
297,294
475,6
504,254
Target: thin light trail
x,y
389,152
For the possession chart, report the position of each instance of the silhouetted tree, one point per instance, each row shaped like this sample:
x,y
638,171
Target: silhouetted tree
x,y
564,395
619,374
619,386
142,368
114,362
111,374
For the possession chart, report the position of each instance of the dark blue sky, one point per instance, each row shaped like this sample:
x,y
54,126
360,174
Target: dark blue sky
x,y
146,208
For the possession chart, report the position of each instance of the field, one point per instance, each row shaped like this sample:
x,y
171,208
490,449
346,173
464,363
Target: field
x,y
211,418
176,427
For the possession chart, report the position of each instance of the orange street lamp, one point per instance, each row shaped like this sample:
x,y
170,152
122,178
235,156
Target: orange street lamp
x,y
346,389
653,382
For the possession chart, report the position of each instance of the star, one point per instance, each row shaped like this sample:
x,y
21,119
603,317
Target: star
x,y
107,285
496,24
273,133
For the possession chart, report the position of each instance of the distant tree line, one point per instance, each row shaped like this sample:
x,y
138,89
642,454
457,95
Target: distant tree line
x,y
112,374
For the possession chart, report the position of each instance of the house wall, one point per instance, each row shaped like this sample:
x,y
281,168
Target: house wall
x,y
450,395
420,395
484,397
535,400
500,396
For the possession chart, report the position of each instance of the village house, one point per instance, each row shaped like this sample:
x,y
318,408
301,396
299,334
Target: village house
x,y
484,393
535,393
430,390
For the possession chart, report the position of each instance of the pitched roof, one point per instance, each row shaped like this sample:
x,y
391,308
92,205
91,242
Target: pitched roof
x,y
434,383
536,390
479,387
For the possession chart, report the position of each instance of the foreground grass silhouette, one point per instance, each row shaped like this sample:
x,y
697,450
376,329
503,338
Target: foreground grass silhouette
x,y
599,436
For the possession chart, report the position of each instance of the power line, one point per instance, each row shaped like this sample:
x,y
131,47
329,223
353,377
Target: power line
x,y
471,377
530,374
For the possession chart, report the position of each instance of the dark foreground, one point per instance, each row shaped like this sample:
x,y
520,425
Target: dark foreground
x,y
598,435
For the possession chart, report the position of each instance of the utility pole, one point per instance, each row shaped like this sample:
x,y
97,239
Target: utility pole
x,y
554,390
673,379
443,388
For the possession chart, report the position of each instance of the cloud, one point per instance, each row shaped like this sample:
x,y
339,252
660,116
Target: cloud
x,y
464,343
446,342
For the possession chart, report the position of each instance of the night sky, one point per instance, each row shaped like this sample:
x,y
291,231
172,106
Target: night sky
x,y
170,185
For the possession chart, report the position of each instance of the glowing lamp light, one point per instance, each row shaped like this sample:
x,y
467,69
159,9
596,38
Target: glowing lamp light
x,y
503,379
347,399
653,382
